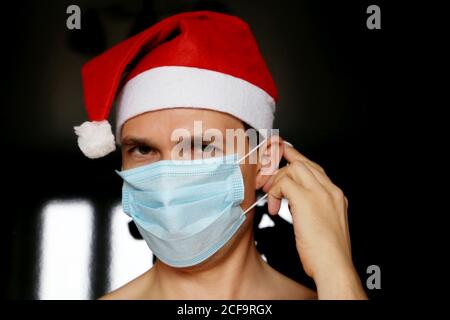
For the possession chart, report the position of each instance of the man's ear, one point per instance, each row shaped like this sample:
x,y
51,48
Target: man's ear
x,y
269,159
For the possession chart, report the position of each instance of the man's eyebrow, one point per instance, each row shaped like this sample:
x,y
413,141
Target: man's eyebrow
x,y
132,140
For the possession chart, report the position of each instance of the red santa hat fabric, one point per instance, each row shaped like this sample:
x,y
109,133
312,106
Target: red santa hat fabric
x,y
198,59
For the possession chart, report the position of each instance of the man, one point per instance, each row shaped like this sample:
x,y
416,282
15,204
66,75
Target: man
x,y
193,208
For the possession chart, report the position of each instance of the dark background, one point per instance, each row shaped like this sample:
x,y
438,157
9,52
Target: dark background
x,y
334,77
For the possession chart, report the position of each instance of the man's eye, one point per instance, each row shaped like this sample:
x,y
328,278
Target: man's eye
x,y
142,150
211,150
207,147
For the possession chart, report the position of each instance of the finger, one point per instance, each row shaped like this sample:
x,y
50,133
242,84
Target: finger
x,y
320,176
278,173
304,172
273,204
269,182
287,188
291,155
299,157
301,174
319,173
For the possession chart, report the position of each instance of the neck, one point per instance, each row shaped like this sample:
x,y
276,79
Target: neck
x,y
237,273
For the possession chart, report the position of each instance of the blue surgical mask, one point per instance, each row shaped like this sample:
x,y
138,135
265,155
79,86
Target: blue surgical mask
x,y
186,210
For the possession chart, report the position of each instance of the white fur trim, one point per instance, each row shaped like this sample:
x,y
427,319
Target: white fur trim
x,y
187,87
95,138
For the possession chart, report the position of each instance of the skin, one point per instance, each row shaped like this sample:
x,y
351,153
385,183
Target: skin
x,y
237,271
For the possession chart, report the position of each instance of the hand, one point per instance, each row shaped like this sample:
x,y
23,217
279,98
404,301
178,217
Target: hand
x,y
319,214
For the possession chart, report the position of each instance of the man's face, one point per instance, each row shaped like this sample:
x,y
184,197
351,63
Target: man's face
x,y
148,138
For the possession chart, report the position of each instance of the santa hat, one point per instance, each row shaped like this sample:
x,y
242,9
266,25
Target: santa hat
x,y
199,59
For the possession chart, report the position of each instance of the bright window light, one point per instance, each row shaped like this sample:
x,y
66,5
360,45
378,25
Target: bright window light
x,y
65,249
129,257
284,211
266,222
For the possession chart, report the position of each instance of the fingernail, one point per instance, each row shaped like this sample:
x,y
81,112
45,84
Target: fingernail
x,y
288,143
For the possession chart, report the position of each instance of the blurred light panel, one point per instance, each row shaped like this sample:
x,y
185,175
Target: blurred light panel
x,y
65,249
266,222
284,211
129,257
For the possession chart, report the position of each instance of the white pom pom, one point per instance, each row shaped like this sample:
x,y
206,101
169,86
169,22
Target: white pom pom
x,y
95,138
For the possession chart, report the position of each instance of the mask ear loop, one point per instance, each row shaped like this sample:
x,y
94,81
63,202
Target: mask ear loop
x,y
251,151
263,198
238,162
255,203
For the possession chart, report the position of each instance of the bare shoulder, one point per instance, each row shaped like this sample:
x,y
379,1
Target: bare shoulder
x,y
133,290
297,291
284,288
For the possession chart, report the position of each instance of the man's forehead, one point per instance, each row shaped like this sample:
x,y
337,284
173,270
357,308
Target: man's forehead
x,y
194,121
